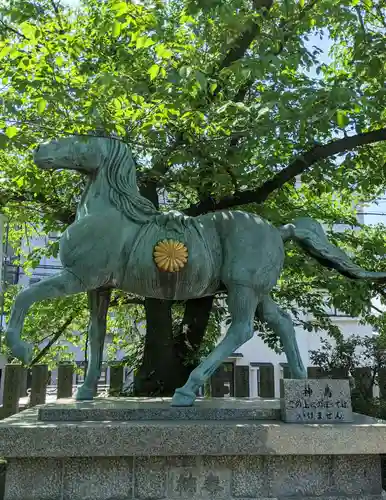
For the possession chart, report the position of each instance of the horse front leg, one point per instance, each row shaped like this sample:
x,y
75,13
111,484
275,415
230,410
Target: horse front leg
x,y
99,301
60,285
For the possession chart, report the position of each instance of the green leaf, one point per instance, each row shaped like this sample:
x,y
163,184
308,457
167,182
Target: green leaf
x,y
25,62
163,52
121,130
375,67
119,6
59,60
20,181
222,178
263,111
341,118
3,141
185,71
143,42
11,131
28,30
14,53
201,80
153,71
116,30
42,104
301,3
5,51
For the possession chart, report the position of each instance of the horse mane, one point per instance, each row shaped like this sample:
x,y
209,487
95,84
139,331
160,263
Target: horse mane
x,y
122,180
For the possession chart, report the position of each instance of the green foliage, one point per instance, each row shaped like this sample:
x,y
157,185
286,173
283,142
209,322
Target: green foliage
x,y
351,352
58,318
209,112
347,355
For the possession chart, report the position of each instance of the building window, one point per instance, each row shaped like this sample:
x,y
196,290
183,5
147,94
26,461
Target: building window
x,y
258,381
103,377
11,274
334,312
80,373
54,235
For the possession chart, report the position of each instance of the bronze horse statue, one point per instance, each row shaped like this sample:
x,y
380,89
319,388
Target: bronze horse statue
x,y
119,240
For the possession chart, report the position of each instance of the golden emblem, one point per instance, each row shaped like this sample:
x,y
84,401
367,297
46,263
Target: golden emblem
x,y
170,255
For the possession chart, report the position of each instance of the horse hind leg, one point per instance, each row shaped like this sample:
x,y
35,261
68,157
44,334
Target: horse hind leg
x,y
242,302
281,323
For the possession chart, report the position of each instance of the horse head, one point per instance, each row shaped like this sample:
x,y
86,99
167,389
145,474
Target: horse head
x,y
85,154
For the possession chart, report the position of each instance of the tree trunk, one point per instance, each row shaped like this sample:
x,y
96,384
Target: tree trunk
x,y
170,357
156,374
189,335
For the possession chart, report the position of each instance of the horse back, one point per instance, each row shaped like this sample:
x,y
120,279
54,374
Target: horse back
x,y
253,250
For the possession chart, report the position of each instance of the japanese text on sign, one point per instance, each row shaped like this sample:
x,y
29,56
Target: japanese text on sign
x,y
323,408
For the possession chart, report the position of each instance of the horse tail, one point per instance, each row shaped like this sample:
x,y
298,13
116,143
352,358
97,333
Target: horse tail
x,y
310,236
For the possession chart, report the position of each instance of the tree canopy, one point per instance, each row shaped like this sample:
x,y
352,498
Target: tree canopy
x,y
225,104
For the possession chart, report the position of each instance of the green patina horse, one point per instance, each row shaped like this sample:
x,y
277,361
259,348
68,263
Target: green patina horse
x,y
111,245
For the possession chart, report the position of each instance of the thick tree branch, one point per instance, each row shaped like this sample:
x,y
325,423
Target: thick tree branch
x,y
245,87
13,30
190,332
237,51
241,45
286,36
299,165
57,14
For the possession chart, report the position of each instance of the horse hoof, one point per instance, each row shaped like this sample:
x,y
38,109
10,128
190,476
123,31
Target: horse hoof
x,y
84,394
22,351
183,398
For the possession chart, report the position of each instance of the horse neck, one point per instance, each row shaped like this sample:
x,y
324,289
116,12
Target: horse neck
x,y
100,196
95,197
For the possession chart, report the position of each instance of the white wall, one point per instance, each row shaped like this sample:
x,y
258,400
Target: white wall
x,y
48,265
375,213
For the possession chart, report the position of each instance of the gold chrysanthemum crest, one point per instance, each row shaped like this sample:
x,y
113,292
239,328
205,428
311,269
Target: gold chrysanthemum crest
x,y
170,255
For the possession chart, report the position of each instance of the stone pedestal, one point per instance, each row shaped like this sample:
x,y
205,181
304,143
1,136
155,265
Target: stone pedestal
x,y
142,450
321,400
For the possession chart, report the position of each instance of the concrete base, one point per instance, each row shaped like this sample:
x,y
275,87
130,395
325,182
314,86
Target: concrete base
x,y
196,460
154,409
223,478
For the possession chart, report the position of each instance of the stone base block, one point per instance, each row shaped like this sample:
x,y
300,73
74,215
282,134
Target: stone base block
x,y
196,478
315,401
172,458
159,409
